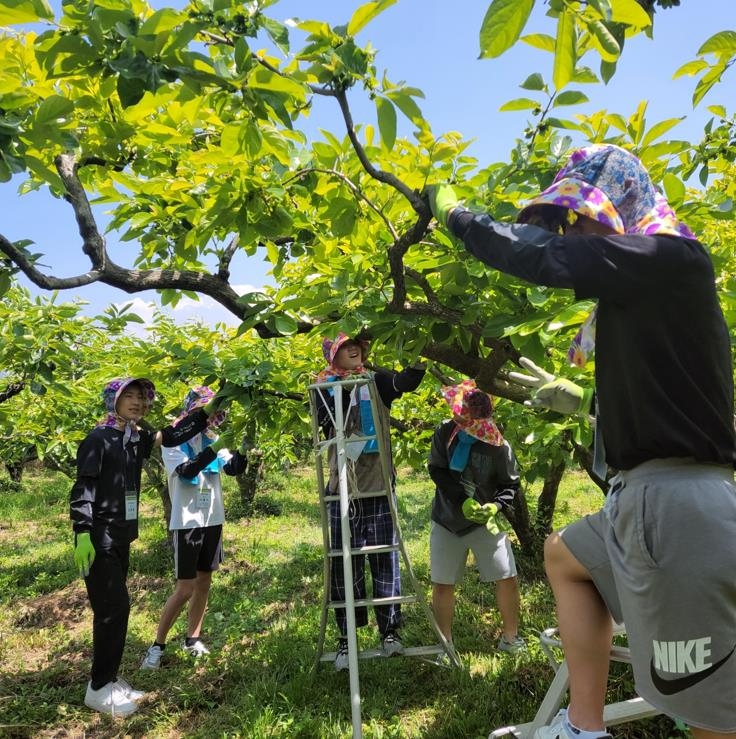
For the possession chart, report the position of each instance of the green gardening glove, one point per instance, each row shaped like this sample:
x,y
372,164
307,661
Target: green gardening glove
x,y
491,510
442,199
474,511
551,392
84,553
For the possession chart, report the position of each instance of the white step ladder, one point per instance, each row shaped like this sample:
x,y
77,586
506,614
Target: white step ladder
x,y
633,709
320,394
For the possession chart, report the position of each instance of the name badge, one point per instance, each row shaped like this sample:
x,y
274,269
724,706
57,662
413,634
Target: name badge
x,y
131,505
204,498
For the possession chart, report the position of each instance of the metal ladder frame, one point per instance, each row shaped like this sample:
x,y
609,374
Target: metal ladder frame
x,y
621,712
321,449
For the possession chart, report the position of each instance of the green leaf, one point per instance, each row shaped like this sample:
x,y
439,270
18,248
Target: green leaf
x,y
718,110
24,11
630,13
703,174
285,325
564,63
365,14
607,45
53,108
691,68
405,103
720,43
503,23
608,69
386,122
570,97
533,82
161,21
674,189
603,7
659,129
278,33
540,41
520,104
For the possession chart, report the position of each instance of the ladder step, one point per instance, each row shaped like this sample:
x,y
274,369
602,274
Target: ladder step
x,y
373,549
366,494
375,601
377,652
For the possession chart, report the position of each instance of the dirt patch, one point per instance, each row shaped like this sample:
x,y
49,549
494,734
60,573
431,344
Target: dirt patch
x,y
67,605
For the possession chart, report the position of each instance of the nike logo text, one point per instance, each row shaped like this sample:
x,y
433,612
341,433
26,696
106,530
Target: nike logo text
x,y
691,657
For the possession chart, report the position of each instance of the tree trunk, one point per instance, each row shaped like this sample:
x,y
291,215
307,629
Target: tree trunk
x,y
248,480
548,499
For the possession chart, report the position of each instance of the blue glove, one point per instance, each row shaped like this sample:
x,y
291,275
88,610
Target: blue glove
x,y
551,392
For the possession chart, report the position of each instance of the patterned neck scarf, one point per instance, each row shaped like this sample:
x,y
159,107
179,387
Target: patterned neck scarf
x,y
610,185
110,396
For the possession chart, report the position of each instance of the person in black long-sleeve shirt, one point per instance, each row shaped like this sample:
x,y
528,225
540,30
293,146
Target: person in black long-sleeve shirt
x,y
661,554
371,523
476,476
103,508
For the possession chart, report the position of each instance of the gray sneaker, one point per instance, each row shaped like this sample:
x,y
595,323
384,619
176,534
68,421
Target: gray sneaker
x,y
516,645
392,644
111,699
152,658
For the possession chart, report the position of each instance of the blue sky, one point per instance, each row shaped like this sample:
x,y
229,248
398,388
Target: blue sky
x,y
434,46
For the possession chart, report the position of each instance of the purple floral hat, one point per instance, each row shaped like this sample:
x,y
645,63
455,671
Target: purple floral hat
x,y
110,396
610,185
198,397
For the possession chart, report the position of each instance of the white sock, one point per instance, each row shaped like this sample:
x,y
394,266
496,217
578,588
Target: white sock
x,y
573,730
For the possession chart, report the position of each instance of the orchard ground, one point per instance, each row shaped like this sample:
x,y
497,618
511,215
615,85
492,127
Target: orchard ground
x,y
262,625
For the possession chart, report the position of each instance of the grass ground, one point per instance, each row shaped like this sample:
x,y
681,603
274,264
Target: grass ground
x,y
262,623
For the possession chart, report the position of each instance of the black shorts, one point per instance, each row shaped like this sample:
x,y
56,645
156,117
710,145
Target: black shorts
x,y
197,550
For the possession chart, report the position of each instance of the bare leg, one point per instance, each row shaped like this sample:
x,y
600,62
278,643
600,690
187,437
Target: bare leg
x,y
507,598
707,734
443,605
173,607
198,603
586,630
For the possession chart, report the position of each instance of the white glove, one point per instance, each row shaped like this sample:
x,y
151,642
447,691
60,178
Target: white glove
x,y
560,395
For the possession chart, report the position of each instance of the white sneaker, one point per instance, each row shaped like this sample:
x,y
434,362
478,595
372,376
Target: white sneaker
x,y
110,698
197,649
516,645
152,658
558,729
127,688
341,658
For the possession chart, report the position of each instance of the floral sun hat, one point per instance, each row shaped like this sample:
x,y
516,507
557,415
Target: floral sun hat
x,y
610,185
198,397
460,398
111,394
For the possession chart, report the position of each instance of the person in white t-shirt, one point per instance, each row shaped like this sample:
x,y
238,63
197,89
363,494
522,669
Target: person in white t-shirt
x,y
197,517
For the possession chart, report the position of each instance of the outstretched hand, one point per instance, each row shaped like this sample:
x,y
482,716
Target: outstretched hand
x,y
557,394
442,199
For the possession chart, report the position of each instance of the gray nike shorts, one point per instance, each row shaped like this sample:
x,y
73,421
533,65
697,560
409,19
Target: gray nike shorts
x,y
662,554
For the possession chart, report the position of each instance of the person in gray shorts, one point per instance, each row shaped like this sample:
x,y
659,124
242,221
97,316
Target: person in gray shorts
x,y
661,555
476,475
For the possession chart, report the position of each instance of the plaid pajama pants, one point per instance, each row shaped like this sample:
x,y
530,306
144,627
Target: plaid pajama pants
x,y
370,524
